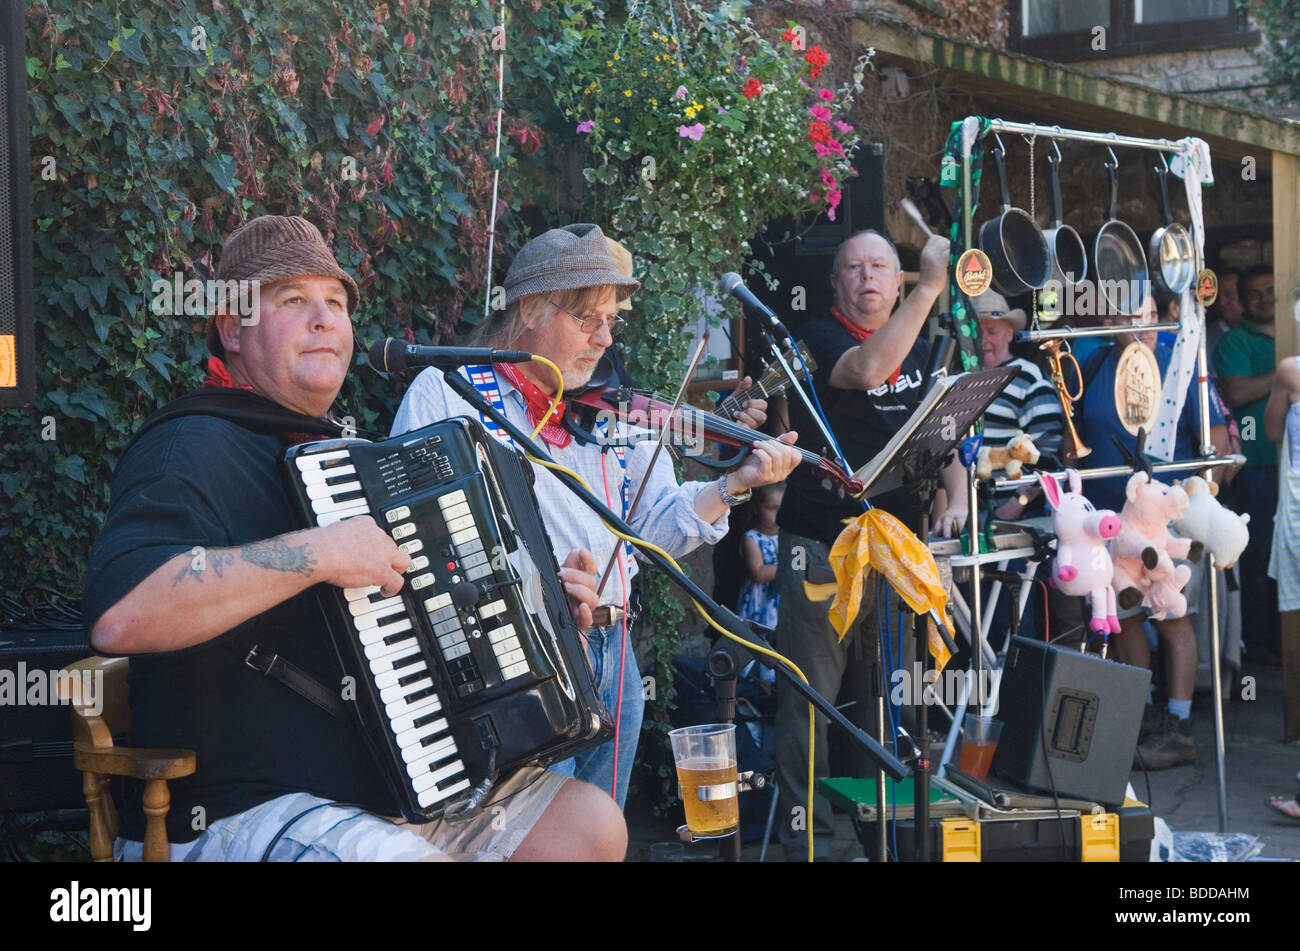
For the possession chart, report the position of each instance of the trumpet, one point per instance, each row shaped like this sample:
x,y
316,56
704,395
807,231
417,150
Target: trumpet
x,y
1074,448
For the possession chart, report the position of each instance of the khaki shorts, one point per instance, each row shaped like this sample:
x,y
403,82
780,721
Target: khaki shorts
x,y
315,831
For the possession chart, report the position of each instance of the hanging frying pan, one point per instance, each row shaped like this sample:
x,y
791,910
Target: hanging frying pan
x,y
1118,258
1069,256
1015,245
1170,254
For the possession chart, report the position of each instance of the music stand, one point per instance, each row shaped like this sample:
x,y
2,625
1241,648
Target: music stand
x,y
916,453
913,460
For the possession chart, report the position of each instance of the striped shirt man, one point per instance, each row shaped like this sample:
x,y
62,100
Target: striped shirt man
x,y
1028,403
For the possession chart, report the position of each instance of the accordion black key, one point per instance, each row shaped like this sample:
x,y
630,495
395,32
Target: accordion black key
x,y
475,667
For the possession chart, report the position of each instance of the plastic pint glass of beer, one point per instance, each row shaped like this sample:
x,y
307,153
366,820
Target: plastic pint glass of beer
x,y
706,772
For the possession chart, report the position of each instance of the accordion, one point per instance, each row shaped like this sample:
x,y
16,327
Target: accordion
x,y
475,667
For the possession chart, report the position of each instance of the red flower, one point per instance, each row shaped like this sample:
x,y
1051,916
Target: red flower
x,y
818,58
375,125
819,132
788,36
408,39
751,89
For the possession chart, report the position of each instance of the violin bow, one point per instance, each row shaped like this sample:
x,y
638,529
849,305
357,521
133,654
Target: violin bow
x,y
659,445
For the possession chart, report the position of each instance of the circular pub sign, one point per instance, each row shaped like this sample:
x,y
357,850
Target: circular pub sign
x,y
974,273
1137,388
1207,287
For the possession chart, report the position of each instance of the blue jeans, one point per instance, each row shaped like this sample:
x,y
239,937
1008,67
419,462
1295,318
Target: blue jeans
x,y
596,766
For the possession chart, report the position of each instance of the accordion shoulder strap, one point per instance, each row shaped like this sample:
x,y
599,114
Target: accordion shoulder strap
x,y
244,409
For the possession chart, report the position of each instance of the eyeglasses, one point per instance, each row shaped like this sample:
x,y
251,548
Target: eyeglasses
x,y
590,325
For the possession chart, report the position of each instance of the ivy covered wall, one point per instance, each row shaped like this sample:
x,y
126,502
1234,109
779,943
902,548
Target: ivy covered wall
x,y
156,128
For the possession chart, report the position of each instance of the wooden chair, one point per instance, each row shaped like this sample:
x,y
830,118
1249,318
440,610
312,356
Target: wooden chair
x,y
95,755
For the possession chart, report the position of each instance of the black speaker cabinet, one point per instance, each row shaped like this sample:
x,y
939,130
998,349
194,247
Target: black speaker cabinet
x,y
1068,719
799,253
36,771
17,351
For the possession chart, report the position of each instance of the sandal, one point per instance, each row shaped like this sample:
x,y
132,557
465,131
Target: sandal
x,y
1284,806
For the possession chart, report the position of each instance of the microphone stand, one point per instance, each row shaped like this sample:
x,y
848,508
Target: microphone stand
x,y
727,619
797,387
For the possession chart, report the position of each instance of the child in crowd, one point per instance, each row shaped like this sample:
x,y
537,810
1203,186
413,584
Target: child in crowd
x,y
759,598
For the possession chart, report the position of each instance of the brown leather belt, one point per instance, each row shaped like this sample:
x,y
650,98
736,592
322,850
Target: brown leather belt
x,y
608,614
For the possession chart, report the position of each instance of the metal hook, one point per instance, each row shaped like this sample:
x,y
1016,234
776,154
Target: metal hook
x,y
1031,136
1114,161
1057,146
1001,148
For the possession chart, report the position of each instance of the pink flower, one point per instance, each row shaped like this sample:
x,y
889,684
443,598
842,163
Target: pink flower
x,y
833,148
691,131
827,178
843,128
820,113
825,95
833,197
680,93
814,197
408,39
585,127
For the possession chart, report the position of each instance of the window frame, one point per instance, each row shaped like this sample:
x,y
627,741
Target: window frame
x,y
1124,37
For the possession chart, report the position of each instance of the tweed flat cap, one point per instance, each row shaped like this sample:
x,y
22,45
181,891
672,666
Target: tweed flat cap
x,y
564,259
274,248
623,258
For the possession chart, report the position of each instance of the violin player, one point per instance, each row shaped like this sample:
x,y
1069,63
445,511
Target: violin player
x,y
562,295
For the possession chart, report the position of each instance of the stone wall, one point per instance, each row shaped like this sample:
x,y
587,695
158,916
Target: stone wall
x,y
1213,75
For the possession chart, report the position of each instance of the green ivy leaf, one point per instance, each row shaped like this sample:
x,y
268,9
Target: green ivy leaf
x,y
222,169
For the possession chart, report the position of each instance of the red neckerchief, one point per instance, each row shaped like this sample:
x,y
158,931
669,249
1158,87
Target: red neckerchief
x,y
860,334
219,377
537,403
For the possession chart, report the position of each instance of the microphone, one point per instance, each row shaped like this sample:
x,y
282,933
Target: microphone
x,y
393,356
734,286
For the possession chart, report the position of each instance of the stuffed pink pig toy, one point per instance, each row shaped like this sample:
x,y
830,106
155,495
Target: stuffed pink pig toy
x,y
1144,550
1083,566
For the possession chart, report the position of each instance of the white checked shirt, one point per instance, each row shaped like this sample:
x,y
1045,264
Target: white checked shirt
x,y
665,515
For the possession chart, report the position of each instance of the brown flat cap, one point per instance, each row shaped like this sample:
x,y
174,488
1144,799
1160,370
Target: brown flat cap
x,y
565,259
274,248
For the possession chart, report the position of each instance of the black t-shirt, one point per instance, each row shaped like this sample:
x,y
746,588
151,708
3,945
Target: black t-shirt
x,y
862,420
204,481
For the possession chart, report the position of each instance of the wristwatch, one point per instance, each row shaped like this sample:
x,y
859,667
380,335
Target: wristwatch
x,y
731,501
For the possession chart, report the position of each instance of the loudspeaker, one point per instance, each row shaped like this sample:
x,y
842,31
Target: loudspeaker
x,y
36,771
1069,720
17,351
799,252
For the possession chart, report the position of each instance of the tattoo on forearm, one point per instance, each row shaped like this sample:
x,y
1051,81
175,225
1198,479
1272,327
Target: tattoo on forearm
x,y
278,556
199,560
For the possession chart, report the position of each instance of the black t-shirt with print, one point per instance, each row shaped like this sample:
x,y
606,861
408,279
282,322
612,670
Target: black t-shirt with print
x,y
201,481
862,420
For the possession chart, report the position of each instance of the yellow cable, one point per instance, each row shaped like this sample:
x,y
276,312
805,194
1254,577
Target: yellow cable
x,y
555,401
642,543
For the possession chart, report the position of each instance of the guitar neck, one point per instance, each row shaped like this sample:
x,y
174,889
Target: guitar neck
x,y
731,405
772,383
